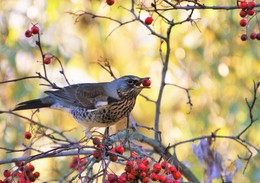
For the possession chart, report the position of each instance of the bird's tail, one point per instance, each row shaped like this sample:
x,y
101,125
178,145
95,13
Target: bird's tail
x,y
33,104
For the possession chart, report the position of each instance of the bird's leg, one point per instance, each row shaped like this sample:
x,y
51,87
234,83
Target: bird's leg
x,y
127,130
88,134
106,134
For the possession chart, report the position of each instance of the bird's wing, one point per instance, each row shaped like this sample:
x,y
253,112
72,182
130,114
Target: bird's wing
x,y
89,95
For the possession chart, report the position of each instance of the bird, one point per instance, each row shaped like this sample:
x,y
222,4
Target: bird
x,y
93,104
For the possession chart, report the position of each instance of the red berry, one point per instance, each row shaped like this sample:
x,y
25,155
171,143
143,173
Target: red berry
x,y
148,20
161,178
130,176
35,29
250,12
7,173
177,175
112,177
28,33
97,154
253,35
154,176
130,163
142,174
133,154
146,82
121,179
110,2
96,141
31,167
113,157
142,167
243,13
243,22
244,37
172,169
36,174
164,165
19,163
145,161
145,180
251,4
243,5
120,149
47,60
157,167
258,36
176,181
6,180
27,135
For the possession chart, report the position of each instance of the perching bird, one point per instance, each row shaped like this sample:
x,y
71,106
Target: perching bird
x,y
93,104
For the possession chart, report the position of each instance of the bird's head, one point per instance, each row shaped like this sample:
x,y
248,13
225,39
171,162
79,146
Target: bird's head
x,y
130,86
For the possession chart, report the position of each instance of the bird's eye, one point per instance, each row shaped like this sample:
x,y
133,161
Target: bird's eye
x,y
130,82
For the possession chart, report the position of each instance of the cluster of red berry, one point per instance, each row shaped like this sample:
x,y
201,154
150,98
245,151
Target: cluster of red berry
x,y
25,174
112,153
247,10
139,169
34,30
77,163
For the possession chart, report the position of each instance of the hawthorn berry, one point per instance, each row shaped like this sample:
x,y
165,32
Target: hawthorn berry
x,y
121,179
110,2
154,176
145,180
31,167
7,173
96,141
35,29
146,82
243,13
172,169
176,175
142,174
251,4
120,149
176,181
243,5
243,22
253,36
112,177
250,12
7,180
157,167
28,33
36,174
258,36
161,178
142,167
164,165
130,176
47,60
145,161
244,37
97,154
148,20
27,135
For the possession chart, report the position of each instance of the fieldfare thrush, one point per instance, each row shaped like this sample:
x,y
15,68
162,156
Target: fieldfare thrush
x,y
93,104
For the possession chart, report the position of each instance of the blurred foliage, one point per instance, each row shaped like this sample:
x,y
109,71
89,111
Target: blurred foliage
x,y
207,56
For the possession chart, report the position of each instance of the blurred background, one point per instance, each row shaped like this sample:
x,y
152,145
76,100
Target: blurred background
x,y
207,56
